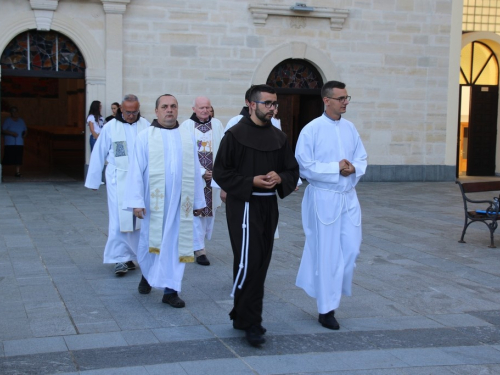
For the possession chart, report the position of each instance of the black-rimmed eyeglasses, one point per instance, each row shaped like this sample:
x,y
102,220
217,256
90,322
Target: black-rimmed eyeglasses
x,y
342,99
268,104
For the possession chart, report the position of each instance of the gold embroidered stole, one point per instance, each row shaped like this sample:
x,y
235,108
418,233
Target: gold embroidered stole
x,y
157,193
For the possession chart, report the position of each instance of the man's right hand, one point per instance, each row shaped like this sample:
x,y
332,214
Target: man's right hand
x,y
139,213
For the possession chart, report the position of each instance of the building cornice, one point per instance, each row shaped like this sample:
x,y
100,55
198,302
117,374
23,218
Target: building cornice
x,y
260,12
115,6
44,13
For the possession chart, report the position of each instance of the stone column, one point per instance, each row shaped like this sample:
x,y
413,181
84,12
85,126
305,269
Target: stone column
x,y
95,83
114,10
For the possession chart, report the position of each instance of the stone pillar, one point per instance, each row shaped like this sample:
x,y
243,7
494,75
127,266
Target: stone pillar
x,y
95,83
114,10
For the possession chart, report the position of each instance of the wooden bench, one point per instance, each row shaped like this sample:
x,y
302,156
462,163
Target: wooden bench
x,y
491,214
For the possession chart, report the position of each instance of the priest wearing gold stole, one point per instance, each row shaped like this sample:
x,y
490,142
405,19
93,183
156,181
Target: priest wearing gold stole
x,y
164,188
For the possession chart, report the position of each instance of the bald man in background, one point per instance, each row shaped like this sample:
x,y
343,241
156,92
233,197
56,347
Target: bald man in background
x,y
208,132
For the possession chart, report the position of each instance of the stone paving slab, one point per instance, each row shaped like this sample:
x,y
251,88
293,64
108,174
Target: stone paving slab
x,y
422,303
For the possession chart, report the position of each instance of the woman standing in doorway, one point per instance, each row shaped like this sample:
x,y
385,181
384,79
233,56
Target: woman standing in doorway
x,y
114,108
95,121
14,129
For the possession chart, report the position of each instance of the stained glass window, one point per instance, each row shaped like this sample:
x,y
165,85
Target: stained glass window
x,y
295,74
41,50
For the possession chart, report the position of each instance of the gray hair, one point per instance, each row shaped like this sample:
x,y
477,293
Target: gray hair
x,y
130,98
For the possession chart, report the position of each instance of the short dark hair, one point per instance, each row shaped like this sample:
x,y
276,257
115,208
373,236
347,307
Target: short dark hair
x,y
161,96
248,92
327,88
256,90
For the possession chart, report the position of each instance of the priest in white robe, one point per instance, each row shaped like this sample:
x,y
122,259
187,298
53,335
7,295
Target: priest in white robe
x,y
114,145
164,188
332,159
208,132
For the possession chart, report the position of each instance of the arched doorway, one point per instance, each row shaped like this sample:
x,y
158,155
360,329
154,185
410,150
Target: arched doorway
x,y
478,109
298,84
43,75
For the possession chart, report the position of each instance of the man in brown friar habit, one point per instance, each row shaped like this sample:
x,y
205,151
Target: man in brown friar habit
x,y
254,162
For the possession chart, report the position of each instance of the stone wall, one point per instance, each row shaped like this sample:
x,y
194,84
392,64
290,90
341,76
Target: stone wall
x,y
393,56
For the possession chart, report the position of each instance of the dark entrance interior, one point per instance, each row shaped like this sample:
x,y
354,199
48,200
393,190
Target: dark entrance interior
x,y
297,110
482,131
43,76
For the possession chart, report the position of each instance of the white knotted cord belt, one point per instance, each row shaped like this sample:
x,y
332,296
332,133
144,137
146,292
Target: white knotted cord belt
x,y
244,244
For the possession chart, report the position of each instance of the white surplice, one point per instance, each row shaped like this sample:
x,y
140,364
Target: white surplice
x,y
120,246
331,215
204,225
164,269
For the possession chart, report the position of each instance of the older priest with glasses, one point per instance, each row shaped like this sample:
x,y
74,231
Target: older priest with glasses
x,y
114,145
254,162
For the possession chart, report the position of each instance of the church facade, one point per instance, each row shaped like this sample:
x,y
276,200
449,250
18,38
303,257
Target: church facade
x,y
400,60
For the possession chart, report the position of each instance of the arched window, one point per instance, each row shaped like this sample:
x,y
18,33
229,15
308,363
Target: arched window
x,y
42,53
295,74
478,65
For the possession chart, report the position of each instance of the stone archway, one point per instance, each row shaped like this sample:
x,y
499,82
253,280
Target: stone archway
x,y
295,50
95,73
298,84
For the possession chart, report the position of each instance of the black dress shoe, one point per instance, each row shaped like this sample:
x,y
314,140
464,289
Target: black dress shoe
x,y
144,287
260,326
202,260
173,300
254,335
328,320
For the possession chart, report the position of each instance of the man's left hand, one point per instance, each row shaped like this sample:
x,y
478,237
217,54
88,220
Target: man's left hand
x,y
207,176
348,170
197,212
273,177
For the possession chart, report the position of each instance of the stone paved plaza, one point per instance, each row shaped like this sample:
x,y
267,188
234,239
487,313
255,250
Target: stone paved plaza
x,y
422,303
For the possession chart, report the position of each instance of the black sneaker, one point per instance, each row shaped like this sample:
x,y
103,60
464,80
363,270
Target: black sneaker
x,y
254,335
328,320
144,287
130,265
120,269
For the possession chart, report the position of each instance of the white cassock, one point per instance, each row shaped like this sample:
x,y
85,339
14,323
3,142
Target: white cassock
x,y
121,245
232,121
164,269
204,225
331,215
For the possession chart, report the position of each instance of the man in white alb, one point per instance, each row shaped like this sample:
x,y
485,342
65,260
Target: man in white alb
x,y
208,132
164,189
114,145
332,159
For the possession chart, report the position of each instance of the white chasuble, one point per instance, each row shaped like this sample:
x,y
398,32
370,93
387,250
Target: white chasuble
x,y
157,197
121,153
